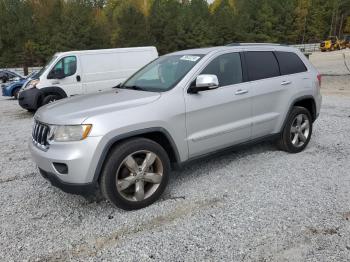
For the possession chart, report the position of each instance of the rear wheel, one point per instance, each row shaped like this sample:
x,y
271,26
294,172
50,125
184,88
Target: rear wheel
x,y
297,132
135,174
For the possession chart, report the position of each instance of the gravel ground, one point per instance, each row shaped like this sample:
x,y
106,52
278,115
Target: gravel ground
x,y
332,63
256,204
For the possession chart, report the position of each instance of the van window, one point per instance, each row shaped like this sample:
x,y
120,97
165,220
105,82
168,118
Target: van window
x,y
227,68
68,64
290,63
261,64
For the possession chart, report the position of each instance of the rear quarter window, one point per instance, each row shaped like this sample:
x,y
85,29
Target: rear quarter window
x,y
290,63
261,65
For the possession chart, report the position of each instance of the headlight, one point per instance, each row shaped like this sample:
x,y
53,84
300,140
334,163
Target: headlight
x,y
31,84
68,133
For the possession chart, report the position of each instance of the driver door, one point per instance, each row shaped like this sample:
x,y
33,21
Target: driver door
x,y
70,81
221,117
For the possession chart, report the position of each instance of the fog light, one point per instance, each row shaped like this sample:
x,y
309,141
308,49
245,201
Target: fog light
x,y
61,168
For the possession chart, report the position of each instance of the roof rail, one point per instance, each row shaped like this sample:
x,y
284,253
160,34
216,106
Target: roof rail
x,y
252,44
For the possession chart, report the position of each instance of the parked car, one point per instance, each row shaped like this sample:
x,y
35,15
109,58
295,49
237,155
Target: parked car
x,y
178,108
7,75
12,88
83,72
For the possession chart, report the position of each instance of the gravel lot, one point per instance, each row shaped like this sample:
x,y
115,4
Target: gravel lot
x,y
256,204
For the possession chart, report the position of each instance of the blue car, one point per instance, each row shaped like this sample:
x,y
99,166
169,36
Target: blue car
x,y
12,88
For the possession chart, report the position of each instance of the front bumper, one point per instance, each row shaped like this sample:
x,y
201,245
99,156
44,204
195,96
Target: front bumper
x,y
77,189
77,156
5,91
29,99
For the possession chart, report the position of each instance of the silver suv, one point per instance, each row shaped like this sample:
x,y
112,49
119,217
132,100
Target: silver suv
x,y
180,107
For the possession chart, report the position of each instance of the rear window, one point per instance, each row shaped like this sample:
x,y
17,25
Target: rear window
x,y
290,63
261,64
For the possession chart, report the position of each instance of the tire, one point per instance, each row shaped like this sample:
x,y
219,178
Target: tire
x,y
296,134
119,167
15,93
49,99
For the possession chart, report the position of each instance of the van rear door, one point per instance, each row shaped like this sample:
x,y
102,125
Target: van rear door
x,y
102,71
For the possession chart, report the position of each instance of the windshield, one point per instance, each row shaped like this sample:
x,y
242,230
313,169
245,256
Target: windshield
x,y
42,70
162,74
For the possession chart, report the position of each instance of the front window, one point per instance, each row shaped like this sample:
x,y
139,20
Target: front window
x,y
163,73
67,66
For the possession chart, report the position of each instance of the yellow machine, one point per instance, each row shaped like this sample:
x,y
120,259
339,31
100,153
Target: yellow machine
x,y
332,43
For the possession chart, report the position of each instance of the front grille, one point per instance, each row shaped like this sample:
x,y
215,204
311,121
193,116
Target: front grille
x,y
40,135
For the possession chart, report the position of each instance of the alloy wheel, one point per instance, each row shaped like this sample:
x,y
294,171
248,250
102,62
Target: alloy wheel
x,y
300,130
139,175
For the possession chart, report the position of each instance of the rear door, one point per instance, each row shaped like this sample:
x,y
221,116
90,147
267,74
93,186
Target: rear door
x,y
269,91
220,117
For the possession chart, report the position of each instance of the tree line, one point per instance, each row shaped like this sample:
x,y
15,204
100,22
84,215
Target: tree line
x,y
31,31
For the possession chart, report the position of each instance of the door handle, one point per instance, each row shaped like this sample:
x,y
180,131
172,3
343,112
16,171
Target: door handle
x,y
284,83
55,82
78,78
241,92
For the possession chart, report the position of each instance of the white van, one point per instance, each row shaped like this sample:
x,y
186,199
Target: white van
x,y
82,72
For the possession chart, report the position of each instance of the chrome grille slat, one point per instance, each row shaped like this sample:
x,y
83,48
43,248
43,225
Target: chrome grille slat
x,y
44,135
36,132
40,139
40,135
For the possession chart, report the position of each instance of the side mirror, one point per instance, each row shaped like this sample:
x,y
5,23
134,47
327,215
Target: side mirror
x,y
204,83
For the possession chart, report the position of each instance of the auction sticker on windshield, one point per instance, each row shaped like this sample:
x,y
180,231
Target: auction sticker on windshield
x,y
190,58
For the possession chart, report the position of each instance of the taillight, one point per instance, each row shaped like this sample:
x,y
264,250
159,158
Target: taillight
x,y
319,78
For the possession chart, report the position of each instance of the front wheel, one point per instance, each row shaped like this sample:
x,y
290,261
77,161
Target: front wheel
x,y
297,132
135,174
49,99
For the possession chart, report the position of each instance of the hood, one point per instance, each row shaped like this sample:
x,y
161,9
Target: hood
x,y
75,110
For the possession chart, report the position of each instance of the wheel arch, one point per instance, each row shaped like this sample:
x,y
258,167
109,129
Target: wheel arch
x,y
157,134
14,88
307,102
51,90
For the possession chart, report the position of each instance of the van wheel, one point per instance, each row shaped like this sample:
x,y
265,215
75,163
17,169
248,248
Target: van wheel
x,y
49,99
135,174
297,132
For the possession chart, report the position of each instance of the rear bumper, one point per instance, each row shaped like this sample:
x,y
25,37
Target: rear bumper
x,y
28,99
77,189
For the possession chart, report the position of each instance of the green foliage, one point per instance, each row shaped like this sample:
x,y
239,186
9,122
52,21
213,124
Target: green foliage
x,y
223,22
166,25
133,30
31,31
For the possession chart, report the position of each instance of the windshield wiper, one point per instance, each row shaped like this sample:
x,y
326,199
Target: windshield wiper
x,y
118,86
134,87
